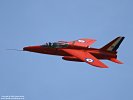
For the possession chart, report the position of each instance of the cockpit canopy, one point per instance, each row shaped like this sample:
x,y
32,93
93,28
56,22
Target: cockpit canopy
x,y
56,44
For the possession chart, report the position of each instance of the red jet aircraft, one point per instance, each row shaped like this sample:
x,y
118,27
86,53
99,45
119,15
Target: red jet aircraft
x,y
80,51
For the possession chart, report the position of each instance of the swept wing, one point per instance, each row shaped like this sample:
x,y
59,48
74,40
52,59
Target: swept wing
x,y
83,42
86,57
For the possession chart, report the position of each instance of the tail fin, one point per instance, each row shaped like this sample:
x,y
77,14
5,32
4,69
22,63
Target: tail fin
x,y
114,44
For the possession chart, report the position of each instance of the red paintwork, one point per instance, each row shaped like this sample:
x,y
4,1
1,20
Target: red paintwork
x,y
52,51
78,51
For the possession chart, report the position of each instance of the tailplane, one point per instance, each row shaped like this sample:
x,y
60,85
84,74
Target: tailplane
x,y
116,60
113,45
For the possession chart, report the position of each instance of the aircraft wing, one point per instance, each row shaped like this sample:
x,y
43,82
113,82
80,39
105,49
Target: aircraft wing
x,y
86,57
86,41
83,42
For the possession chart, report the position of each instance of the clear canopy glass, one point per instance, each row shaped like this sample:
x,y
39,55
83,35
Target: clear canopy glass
x,y
56,44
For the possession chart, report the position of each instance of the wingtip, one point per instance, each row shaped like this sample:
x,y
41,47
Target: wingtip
x,y
102,66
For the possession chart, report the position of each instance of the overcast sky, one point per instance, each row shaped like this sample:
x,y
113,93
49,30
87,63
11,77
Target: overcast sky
x,y
43,77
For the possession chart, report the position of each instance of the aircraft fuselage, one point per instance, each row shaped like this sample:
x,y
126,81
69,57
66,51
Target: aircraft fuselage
x,y
58,51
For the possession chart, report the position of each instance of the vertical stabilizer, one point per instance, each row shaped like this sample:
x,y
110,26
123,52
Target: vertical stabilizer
x,y
113,45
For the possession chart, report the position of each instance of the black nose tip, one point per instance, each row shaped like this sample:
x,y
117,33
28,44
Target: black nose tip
x,y
31,48
25,48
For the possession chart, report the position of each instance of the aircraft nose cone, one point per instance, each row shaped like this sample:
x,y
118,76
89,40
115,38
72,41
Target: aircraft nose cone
x,y
25,48
31,48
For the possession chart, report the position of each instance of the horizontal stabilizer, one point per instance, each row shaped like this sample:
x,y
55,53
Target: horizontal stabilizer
x,y
116,61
